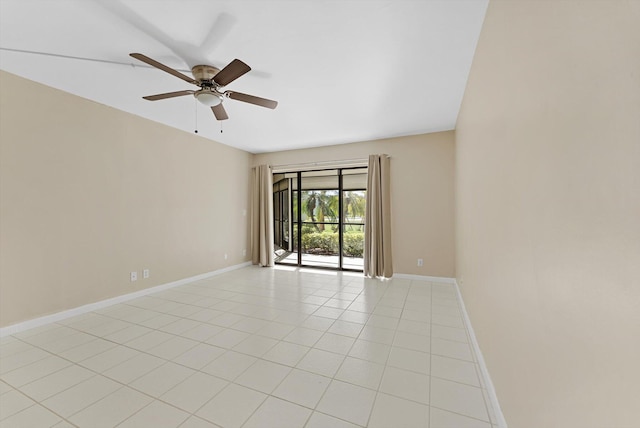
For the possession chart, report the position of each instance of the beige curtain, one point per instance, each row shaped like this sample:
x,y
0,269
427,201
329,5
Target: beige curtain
x,y
262,216
377,223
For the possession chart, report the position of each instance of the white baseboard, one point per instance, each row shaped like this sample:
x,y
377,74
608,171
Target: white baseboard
x,y
484,372
441,279
59,316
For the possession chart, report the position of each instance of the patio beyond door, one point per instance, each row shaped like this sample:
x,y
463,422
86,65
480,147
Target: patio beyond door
x,y
326,211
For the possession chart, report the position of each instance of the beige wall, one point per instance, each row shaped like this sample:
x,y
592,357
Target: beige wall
x,y
421,195
89,193
548,210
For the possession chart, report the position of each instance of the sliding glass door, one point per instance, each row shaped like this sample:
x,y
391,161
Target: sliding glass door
x,y
354,198
281,212
319,219
327,218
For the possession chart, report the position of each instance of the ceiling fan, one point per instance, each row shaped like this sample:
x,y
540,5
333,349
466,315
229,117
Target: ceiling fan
x,y
210,80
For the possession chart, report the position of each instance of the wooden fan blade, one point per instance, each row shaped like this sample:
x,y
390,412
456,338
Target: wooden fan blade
x,y
251,99
219,112
167,95
156,64
231,72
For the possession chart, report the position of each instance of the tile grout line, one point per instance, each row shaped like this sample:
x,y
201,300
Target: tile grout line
x,y
271,393
292,368
339,367
375,400
95,373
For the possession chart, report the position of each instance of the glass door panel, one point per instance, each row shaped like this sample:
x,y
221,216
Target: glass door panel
x,y
353,209
319,239
281,225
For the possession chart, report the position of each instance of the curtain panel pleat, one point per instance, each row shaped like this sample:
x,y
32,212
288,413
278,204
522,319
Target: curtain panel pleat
x,y
377,229
262,216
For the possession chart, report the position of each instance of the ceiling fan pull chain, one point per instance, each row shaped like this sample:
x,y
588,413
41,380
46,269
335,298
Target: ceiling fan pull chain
x,y
220,126
195,111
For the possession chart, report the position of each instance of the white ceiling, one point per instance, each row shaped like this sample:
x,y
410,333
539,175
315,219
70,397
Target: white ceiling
x,y
341,70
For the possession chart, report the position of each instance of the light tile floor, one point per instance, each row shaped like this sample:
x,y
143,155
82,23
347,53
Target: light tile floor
x,y
254,347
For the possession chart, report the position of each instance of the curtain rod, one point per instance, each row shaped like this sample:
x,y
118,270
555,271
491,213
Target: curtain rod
x,y
322,164
319,163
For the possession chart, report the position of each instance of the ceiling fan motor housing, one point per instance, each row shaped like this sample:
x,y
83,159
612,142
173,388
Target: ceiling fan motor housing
x,y
209,94
204,73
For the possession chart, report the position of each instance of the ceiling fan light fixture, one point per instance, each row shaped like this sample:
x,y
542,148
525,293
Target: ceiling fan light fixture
x,y
208,98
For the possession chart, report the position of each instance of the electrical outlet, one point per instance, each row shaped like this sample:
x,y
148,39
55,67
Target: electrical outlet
x,y
244,252
420,262
226,256
145,273
134,276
